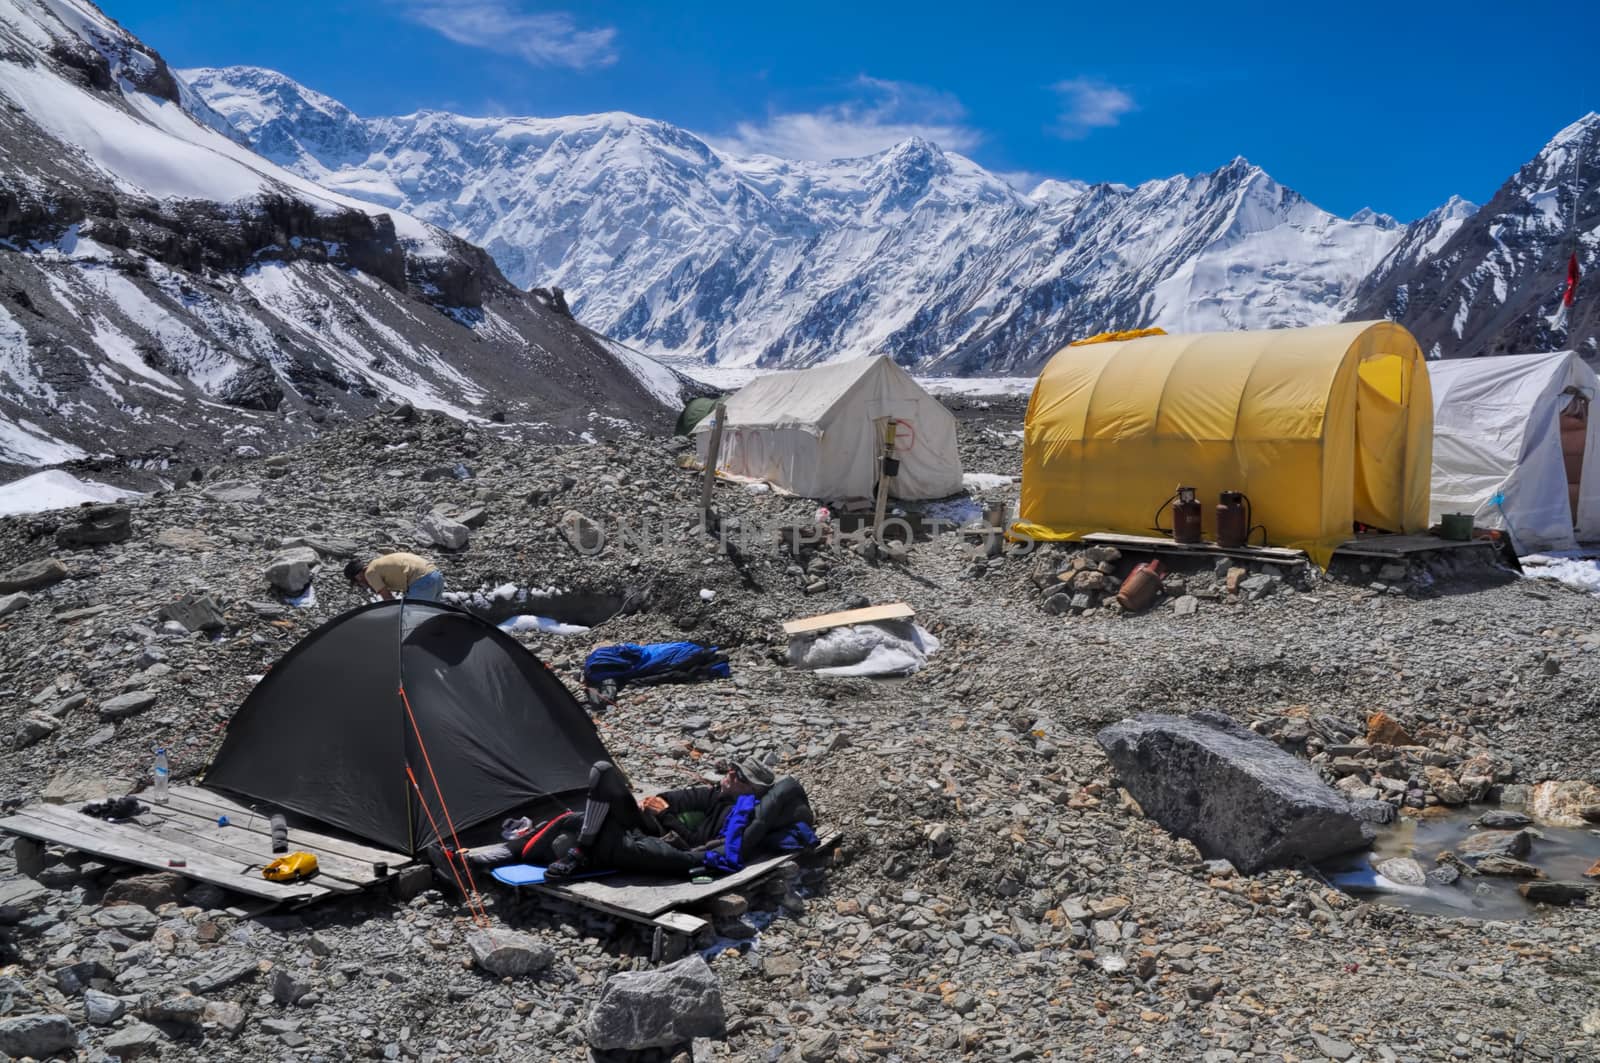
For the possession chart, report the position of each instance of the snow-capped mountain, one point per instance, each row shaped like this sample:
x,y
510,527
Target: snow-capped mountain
x,y
1491,281
679,249
165,288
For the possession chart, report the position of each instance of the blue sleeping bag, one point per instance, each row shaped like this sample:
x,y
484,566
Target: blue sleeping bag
x,y
629,662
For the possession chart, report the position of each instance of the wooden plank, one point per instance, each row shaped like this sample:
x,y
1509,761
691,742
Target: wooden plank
x,y
1279,554
897,611
649,895
335,873
1403,545
134,845
203,802
681,923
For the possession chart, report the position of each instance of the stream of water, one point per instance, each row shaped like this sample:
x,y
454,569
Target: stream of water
x,y
1563,854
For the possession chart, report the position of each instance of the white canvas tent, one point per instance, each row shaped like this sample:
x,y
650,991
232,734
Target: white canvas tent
x,y
1497,429
817,432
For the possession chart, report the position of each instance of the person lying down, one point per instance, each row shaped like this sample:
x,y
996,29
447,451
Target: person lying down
x,y
717,827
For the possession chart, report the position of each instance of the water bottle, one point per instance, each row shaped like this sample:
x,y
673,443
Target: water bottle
x,y
158,792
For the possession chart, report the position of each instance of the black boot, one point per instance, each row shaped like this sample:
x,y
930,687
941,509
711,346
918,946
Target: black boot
x,y
568,866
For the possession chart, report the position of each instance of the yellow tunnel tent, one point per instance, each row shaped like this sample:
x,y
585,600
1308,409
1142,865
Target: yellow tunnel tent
x,y
1322,428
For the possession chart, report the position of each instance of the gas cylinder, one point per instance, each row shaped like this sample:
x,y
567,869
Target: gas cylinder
x,y
1185,516
1233,519
1140,588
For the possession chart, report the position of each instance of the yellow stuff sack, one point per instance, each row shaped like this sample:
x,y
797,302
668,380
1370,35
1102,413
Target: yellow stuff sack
x,y
291,868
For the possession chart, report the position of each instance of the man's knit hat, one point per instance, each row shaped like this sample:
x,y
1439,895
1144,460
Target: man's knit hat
x,y
755,772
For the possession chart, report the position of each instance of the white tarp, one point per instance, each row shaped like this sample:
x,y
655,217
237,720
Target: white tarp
x,y
817,432
1497,430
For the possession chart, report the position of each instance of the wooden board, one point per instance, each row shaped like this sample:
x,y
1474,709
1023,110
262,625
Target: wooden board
x,y
652,899
133,844
1405,545
185,828
897,611
212,804
1277,555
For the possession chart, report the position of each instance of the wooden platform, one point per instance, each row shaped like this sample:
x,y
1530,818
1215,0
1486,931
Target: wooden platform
x,y
1395,546
185,829
1273,555
655,902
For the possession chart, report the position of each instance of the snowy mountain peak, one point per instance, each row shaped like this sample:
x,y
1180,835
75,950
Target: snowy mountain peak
x,y
1368,216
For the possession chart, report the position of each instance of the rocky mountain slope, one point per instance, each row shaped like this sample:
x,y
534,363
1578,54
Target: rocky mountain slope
x,y
680,249
166,292
1493,283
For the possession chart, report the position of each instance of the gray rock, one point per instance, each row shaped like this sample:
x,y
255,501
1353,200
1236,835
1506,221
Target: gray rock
x,y
133,1042
127,704
148,891
221,975
196,612
182,1010
1511,843
129,919
1502,819
581,533
653,1009
1333,1049
10,603
1404,870
21,898
75,978
1232,792
225,1014
233,491
285,988
34,727
37,1035
77,785
1258,586
33,575
290,572
444,532
324,546
103,1009
109,523
1186,605
508,953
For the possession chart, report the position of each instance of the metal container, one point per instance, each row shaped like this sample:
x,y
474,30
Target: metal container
x,y
1456,526
1233,519
1185,516
1141,587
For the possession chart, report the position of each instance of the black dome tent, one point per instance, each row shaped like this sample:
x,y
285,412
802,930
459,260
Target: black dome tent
x,y
482,724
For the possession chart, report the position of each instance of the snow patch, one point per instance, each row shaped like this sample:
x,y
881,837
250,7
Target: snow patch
x,y
55,489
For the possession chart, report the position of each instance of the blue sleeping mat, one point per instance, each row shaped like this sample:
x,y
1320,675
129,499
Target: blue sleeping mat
x,y
533,875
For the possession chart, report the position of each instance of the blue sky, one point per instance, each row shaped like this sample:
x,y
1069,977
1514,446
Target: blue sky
x,y
1396,105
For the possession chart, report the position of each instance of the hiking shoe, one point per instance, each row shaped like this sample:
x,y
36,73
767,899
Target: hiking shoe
x,y
568,865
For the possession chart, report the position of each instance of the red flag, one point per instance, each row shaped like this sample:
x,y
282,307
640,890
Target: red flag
x,y
1573,273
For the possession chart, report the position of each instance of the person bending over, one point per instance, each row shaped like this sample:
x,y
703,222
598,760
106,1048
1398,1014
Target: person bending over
x,y
397,574
717,825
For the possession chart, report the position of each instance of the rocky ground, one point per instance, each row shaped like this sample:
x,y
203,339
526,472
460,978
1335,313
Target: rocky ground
x,y
995,896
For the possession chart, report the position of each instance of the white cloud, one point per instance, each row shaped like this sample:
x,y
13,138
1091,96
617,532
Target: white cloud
x,y
543,38
884,114
1087,105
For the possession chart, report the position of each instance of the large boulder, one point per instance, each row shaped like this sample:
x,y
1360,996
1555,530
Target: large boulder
x,y
38,1036
97,524
195,611
1233,793
32,575
442,531
290,572
507,953
671,1005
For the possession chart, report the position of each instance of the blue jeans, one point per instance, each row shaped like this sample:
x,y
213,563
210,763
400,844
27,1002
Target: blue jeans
x,y
428,588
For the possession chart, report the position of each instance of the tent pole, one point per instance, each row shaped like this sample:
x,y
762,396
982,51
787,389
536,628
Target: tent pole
x,y
883,480
713,454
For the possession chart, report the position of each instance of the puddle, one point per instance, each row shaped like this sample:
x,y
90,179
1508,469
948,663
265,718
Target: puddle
x,y
1562,853
550,609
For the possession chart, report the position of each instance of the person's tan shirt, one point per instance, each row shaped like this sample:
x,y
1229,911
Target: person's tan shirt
x,y
395,572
